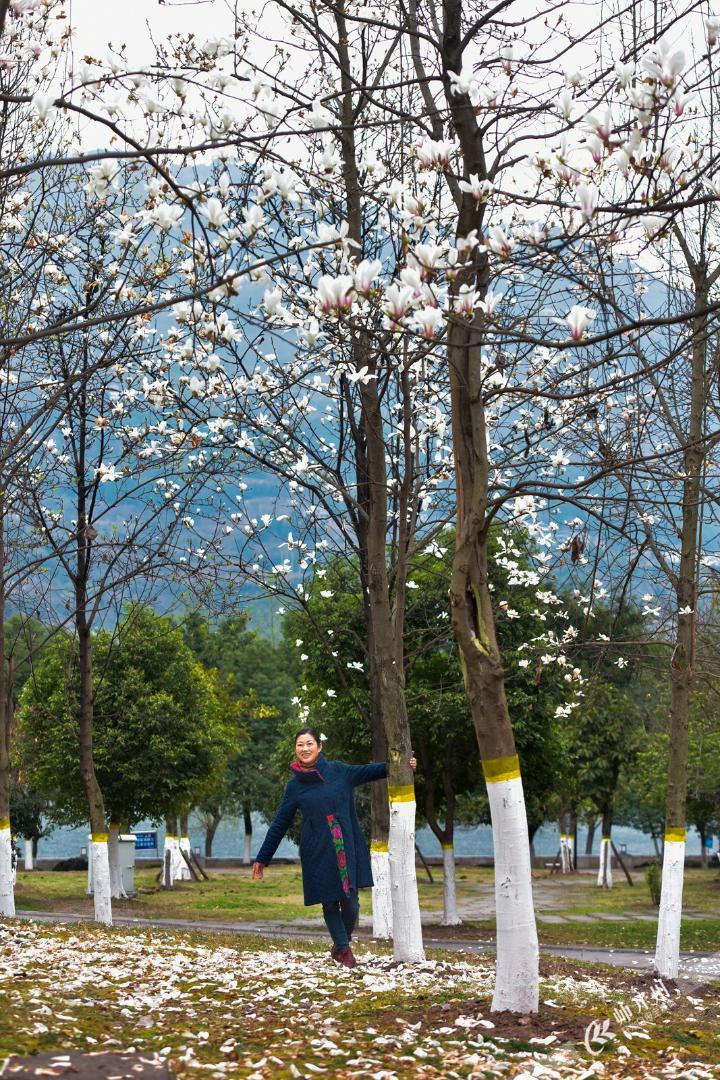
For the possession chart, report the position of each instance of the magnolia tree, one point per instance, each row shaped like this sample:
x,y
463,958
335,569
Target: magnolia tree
x,y
647,443
494,258
102,225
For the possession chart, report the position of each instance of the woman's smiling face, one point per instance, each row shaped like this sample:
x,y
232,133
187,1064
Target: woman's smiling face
x,y
307,749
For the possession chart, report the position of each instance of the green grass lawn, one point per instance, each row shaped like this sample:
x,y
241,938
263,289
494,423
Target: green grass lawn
x,y
217,1005
232,896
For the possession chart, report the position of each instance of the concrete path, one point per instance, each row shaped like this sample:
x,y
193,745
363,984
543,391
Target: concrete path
x,y
695,967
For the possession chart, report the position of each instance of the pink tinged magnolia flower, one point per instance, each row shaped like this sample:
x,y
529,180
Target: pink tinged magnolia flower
x,y
587,200
507,55
681,101
712,29
599,124
481,190
335,295
499,242
397,301
429,321
435,154
365,273
578,320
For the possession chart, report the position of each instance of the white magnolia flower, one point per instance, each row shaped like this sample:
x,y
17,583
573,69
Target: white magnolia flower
x,y
164,216
587,200
463,82
429,321
320,117
107,474
214,213
365,273
481,190
42,104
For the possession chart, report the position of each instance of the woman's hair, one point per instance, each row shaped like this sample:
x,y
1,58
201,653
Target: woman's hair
x,y
309,731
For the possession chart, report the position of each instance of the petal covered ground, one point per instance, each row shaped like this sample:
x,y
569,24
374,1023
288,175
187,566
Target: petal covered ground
x,y
231,1006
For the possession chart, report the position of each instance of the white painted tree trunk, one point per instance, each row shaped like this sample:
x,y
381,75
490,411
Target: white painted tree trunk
x,y
117,889
183,873
407,928
381,891
517,975
7,892
247,847
667,952
29,861
571,852
450,911
564,854
169,865
605,875
101,878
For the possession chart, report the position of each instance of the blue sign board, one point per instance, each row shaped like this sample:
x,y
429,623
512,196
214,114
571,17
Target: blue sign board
x,y
146,841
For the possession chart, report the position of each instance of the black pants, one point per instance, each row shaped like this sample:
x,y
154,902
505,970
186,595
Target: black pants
x,y
340,918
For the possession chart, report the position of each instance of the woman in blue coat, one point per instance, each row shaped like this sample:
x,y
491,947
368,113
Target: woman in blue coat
x,y
334,855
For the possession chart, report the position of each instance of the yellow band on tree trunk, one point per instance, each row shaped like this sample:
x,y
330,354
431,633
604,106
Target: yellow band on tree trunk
x,y
675,836
4,822
448,847
501,768
379,847
401,792
99,837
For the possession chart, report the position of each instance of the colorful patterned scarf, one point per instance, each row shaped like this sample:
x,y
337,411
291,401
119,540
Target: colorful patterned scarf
x,y
339,845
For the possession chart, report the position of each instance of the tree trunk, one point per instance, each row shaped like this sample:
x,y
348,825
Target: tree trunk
x,y
667,953
183,870
386,621
590,839
28,853
7,891
517,978
605,878
117,889
247,844
573,840
382,907
210,830
98,836
169,852
703,849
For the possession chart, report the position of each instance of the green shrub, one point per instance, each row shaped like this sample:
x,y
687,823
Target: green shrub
x,y
653,876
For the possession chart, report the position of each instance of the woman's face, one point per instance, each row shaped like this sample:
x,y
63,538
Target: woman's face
x,y
307,749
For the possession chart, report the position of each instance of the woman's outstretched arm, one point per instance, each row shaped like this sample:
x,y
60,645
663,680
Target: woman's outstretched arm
x,y
278,827
377,770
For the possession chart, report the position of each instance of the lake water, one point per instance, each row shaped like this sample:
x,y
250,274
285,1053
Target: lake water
x,y
468,841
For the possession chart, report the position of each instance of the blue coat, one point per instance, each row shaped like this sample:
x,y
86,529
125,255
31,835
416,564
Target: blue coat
x,y
326,789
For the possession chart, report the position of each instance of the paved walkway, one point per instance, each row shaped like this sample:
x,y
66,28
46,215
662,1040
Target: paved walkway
x,y
695,967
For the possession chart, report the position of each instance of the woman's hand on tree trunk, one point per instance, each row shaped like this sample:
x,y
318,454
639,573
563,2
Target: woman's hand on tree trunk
x,y
257,871
413,763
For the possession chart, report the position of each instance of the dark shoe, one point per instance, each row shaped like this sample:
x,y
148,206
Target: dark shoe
x,y
335,953
346,958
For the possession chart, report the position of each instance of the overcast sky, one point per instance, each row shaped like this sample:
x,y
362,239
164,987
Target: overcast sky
x,y
99,22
